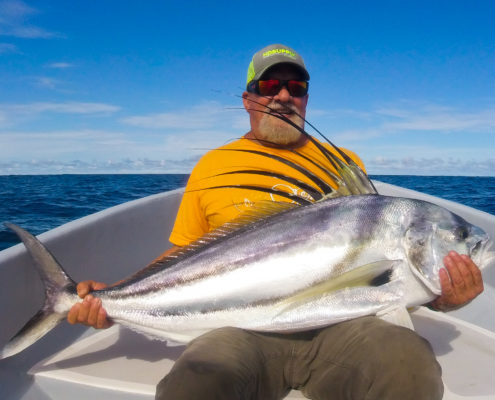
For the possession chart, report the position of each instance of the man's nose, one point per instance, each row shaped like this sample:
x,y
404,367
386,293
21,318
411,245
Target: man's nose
x,y
283,95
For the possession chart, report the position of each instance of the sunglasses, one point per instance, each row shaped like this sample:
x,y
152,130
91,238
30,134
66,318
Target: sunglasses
x,y
271,87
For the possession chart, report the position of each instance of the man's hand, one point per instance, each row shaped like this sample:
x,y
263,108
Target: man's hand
x,y
461,282
89,312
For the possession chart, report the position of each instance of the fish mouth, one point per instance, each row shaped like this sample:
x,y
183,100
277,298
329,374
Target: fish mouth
x,y
481,252
476,248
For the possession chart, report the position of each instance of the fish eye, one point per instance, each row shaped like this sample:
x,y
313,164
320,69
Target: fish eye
x,y
461,233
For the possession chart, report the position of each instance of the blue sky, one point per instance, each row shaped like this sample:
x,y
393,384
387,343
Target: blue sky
x,y
128,86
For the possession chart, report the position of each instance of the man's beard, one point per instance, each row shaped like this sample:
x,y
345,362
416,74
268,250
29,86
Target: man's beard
x,y
275,130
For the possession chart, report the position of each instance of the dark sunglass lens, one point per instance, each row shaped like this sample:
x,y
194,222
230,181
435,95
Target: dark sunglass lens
x,y
270,87
297,88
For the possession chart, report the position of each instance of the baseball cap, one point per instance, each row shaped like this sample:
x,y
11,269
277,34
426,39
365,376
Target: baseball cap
x,y
271,55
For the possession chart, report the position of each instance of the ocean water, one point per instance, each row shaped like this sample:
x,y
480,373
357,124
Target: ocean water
x,y
41,202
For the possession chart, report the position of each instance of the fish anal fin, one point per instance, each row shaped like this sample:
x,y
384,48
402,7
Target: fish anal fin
x,y
397,315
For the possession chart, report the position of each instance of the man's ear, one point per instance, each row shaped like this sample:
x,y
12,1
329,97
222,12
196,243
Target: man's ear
x,y
245,101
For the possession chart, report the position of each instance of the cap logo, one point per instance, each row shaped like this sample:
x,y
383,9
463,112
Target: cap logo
x,y
251,72
286,52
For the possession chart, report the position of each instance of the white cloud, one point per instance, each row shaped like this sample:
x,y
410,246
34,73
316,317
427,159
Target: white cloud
x,y
8,48
411,117
416,138
440,120
16,115
60,65
430,166
171,141
73,107
240,122
14,16
355,135
88,143
206,115
116,164
47,82
3,118
63,145
208,125
68,107
88,134
14,10
123,165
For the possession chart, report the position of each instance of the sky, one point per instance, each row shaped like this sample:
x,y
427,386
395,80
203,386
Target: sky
x,y
149,86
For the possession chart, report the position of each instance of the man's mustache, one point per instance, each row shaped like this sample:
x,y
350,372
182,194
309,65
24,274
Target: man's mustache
x,y
277,107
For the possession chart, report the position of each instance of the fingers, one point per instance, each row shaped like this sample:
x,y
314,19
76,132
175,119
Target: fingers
x,y
73,313
97,316
475,272
99,285
85,287
445,283
459,274
84,309
102,322
465,275
89,312
461,282
94,309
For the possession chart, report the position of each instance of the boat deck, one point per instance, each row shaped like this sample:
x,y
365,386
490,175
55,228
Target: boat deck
x,y
128,364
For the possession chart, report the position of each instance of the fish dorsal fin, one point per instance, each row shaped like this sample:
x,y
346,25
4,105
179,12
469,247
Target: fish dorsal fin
x,y
315,194
259,212
352,179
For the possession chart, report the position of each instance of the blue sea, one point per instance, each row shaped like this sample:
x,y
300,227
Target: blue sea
x,y
41,202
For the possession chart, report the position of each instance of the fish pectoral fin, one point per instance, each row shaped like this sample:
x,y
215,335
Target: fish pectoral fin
x,y
373,274
397,315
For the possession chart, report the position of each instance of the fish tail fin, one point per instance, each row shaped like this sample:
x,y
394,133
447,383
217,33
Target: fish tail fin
x,y
58,285
39,325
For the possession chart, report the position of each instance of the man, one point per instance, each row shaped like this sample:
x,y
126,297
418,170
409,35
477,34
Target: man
x,y
358,359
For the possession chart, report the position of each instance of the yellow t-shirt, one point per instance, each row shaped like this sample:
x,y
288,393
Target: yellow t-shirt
x,y
203,208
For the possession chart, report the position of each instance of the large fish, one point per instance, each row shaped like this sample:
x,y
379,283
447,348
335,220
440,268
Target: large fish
x,y
301,268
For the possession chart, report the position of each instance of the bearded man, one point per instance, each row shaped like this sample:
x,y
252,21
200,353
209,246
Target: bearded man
x,y
365,358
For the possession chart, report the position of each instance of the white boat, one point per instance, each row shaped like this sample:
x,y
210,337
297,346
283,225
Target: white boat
x,y
79,363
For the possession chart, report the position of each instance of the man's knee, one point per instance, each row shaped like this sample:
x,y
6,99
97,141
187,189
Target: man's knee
x,y
372,358
217,365
398,346
402,359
